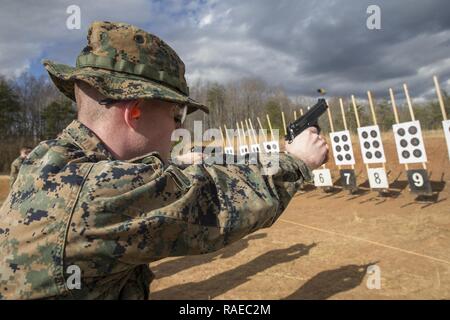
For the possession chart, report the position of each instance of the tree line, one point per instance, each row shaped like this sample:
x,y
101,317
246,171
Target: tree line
x,y
32,110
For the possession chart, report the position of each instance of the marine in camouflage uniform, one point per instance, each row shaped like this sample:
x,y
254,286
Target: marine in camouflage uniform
x,y
74,204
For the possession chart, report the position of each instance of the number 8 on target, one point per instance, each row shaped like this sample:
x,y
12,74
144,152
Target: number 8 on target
x,y
377,178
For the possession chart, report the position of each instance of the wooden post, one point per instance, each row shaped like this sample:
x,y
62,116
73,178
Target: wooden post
x,y
239,134
411,111
244,136
223,140
253,131
270,127
441,101
295,114
394,107
284,122
228,137
262,129
358,123
250,137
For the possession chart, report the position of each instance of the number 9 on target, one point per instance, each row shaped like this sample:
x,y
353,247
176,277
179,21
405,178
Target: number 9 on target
x,y
419,182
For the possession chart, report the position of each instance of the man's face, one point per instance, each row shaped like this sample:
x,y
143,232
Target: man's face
x,y
24,153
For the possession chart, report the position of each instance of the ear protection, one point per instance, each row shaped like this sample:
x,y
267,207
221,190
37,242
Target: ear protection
x,y
135,112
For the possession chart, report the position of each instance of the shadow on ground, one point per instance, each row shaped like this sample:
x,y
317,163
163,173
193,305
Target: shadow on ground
x,y
328,283
223,282
172,267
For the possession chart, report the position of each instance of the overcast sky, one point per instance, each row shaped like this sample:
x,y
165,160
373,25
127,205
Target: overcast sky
x,y
299,45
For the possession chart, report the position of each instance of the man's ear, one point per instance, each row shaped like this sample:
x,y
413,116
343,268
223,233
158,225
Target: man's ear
x,y
132,114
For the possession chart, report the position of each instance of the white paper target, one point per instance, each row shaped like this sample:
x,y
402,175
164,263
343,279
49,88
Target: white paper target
x,y
446,126
409,142
271,146
377,178
229,150
243,150
342,148
371,145
255,148
322,178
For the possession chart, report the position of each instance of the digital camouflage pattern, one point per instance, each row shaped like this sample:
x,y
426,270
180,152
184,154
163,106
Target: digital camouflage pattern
x,y
74,204
15,166
124,62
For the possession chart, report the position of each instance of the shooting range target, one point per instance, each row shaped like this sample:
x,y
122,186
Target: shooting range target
x,y
229,150
243,150
348,179
446,126
419,182
377,178
255,148
409,142
271,146
322,178
371,145
342,148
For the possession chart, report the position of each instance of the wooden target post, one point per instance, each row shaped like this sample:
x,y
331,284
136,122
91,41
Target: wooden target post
x,y
417,178
411,111
348,176
371,145
230,149
445,122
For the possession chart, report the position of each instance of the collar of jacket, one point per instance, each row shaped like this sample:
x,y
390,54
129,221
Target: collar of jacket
x,y
85,138
88,141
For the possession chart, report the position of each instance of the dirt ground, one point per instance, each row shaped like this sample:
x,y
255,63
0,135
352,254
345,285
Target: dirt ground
x,y
322,245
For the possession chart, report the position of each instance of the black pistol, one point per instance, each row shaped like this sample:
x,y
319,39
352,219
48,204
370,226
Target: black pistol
x,y
309,119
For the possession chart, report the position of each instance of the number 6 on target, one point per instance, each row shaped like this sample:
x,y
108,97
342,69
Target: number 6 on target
x,y
322,178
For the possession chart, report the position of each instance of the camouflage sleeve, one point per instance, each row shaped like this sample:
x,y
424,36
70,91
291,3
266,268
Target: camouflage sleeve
x,y
144,213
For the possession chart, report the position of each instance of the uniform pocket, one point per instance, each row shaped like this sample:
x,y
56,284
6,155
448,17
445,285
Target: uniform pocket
x,y
180,179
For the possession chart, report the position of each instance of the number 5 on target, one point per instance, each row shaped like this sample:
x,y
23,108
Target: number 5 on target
x,y
322,178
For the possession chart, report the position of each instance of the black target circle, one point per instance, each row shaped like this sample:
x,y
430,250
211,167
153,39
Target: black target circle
x,y
269,146
369,155
344,138
367,145
401,132
417,153
274,146
403,143
365,135
338,148
412,130
405,154
378,154
346,147
348,157
336,139
415,142
373,133
376,144
339,157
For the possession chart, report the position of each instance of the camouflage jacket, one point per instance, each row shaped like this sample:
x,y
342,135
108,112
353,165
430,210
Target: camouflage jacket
x,y
15,166
73,204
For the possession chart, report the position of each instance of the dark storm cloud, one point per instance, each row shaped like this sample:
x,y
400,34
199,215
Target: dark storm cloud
x,y
300,45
